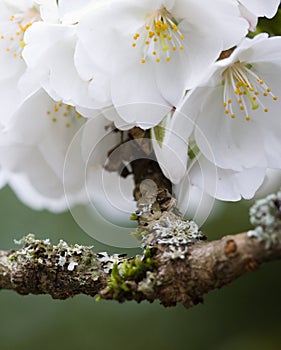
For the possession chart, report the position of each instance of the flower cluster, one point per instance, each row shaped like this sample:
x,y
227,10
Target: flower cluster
x,y
76,77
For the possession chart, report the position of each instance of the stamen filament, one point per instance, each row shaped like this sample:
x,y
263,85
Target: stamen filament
x,y
159,37
247,87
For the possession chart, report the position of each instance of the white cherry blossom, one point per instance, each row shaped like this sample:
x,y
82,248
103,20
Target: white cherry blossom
x,y
236,109
50,56
45,150
153,64
154,50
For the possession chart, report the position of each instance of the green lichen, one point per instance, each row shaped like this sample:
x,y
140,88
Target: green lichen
x,y
125,277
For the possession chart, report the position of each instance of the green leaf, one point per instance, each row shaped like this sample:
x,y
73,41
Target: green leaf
x,y
193,150
159,132
133,217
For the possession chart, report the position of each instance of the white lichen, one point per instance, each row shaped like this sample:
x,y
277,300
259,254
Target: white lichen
x,y
72,265
62,260
61,255
175,253
108,261
265,215
175,233
146,286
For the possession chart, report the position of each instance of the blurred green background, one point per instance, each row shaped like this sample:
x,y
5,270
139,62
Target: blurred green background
x,y
244,315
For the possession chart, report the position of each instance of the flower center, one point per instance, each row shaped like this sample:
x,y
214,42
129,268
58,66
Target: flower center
x,y
159,37
14,29
247,88
63,114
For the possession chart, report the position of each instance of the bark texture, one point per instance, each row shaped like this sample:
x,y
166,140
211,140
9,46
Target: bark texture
x,y
36,269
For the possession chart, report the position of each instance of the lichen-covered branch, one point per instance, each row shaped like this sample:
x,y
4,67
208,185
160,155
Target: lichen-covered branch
x,y
63,271
40,267
177,264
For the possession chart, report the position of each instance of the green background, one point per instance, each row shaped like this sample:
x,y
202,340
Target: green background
x,y
243,315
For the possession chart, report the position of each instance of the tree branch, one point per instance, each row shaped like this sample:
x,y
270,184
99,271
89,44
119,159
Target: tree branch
x,y
63,271
177,265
